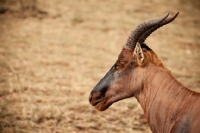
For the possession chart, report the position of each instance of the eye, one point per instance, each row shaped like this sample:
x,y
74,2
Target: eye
x,y
122,62
120,65
116,67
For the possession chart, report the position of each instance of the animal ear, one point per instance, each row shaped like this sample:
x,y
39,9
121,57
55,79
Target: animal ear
x,y
139,52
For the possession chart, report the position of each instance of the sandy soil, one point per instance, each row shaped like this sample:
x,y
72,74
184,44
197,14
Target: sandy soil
x,y
51,60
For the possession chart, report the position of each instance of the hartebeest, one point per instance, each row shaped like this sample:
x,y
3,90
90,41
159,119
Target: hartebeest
x,y
168,105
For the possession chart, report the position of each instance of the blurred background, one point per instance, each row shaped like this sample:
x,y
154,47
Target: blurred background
x,y
53,52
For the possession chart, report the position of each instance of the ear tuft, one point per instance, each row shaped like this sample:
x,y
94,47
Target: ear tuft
x,y
139,52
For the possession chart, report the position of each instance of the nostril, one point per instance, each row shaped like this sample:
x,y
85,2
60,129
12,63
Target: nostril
x,y
90,98
100,97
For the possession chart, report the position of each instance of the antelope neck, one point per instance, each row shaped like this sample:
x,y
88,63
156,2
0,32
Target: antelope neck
x,y
162,99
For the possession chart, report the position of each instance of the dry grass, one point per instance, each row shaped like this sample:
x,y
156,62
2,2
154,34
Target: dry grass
x,y
49,64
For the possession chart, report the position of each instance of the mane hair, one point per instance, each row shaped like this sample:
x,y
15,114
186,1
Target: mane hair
x,y
152,57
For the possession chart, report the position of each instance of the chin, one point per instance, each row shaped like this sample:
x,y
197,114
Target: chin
x,y
102,106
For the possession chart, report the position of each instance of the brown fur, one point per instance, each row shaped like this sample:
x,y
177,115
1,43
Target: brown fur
x,y
168,105
153,58
124,59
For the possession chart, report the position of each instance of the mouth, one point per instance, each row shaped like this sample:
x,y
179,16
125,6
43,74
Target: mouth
x,y
100,102
96,99
96,102
102,105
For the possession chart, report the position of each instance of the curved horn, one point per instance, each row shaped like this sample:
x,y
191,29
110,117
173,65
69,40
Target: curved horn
x,y
140,29
152,29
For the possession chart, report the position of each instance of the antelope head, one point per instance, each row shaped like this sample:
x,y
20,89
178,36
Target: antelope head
x,y
126,77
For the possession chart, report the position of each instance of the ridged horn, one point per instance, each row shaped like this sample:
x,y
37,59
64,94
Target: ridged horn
x,y
140,29
152,29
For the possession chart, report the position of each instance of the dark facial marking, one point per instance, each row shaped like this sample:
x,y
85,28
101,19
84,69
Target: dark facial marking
x,y
105,82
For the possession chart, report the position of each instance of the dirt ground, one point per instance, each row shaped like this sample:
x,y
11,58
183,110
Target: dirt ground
x,y
52,58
